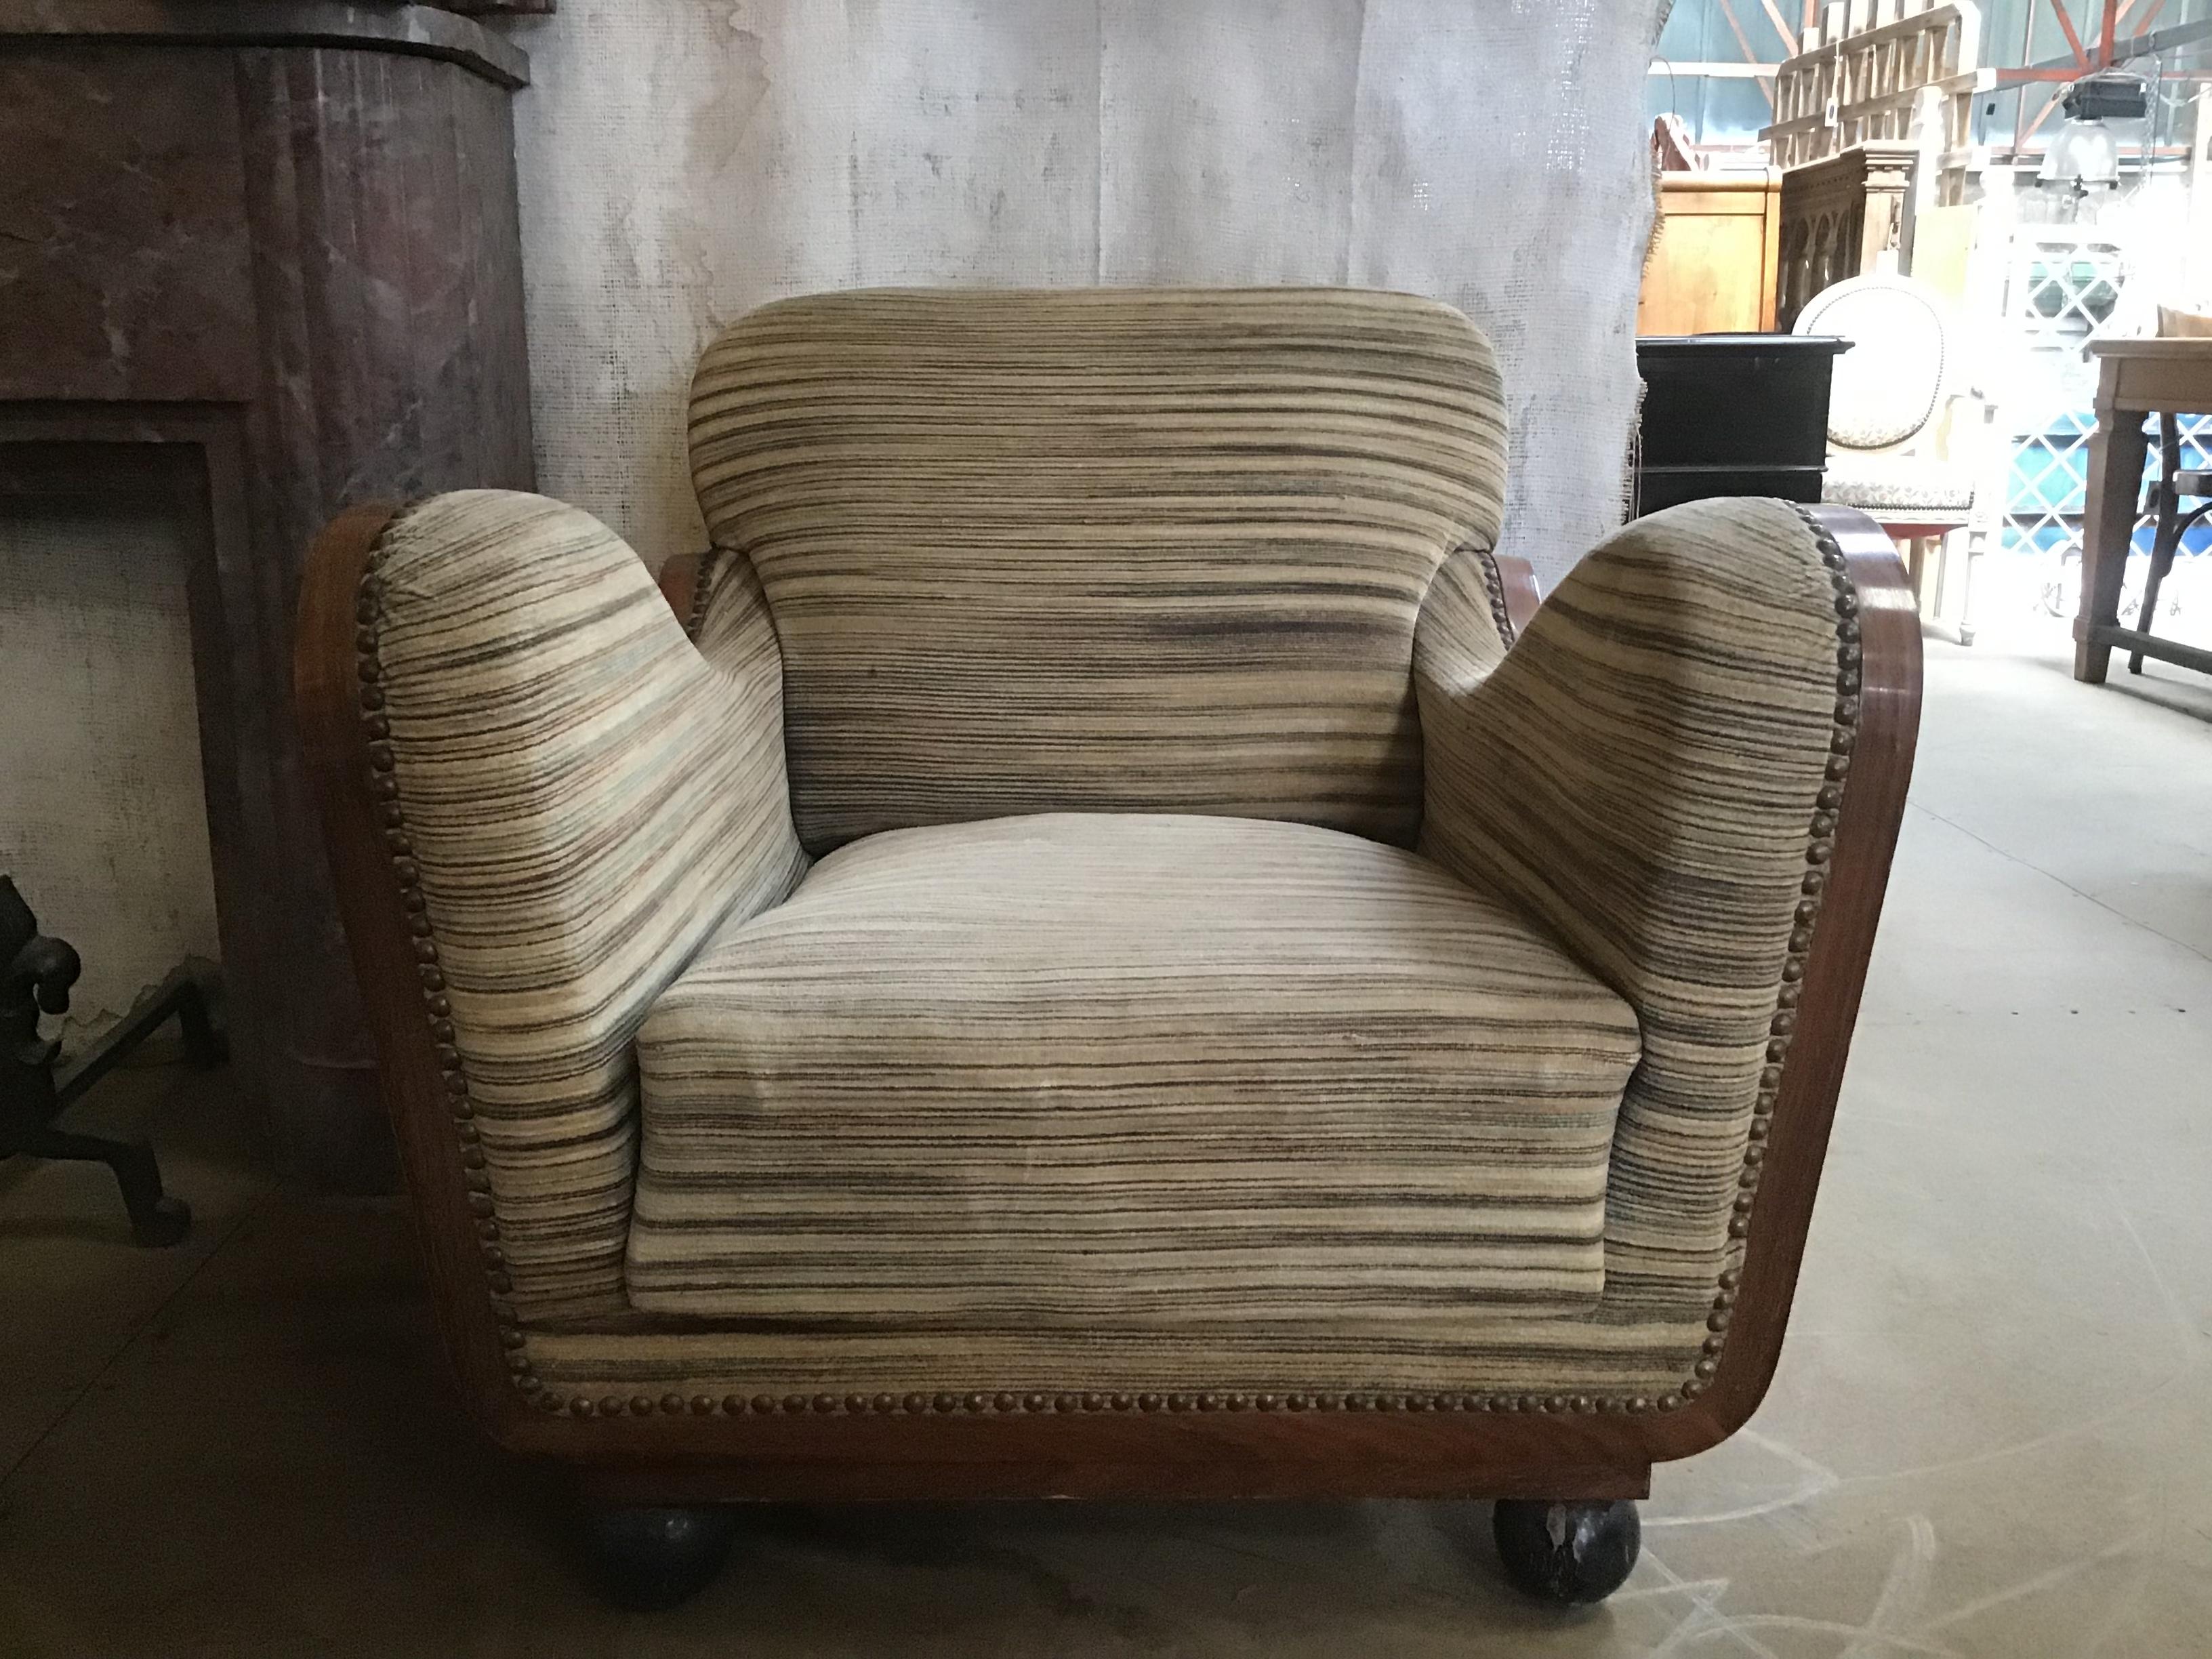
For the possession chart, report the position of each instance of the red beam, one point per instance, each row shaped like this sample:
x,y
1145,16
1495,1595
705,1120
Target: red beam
x,y
2073,40
2104,36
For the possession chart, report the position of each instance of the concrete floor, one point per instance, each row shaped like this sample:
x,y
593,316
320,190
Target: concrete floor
x,y
1991,1435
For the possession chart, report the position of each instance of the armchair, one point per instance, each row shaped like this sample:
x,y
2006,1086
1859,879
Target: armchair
x,y
1101,957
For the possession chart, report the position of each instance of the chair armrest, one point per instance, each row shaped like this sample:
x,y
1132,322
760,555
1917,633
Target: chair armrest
x,y
541,798
1655,770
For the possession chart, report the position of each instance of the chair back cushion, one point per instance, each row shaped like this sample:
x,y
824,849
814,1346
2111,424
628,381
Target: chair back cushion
x,y
1099,549
1886,387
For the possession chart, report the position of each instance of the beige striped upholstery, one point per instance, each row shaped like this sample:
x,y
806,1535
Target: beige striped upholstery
x,y
587,798
1641,773
1090,1071
1099,549
993,598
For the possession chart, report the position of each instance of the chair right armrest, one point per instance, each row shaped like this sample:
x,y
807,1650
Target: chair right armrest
x,y
1656,770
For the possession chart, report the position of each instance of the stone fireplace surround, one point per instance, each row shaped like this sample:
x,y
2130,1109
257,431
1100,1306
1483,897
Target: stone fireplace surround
x,y
262,260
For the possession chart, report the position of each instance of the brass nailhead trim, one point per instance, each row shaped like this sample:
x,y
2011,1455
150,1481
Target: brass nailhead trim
x,y
1820,850
384,787
1493,587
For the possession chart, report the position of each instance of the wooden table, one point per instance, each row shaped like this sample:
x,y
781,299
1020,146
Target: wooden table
x,y
2134,378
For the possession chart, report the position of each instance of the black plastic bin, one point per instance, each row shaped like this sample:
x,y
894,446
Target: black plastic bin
x,y
1734,415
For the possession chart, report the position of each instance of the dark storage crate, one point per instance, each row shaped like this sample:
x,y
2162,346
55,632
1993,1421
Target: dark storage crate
x,y
1733,415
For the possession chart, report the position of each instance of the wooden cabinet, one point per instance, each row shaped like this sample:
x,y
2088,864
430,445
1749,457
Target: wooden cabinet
x,y
1717,251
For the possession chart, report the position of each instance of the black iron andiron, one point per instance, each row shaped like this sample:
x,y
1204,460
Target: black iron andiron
x,y
36,973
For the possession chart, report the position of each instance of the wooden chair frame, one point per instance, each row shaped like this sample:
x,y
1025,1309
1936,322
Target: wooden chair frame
x,y
673,1451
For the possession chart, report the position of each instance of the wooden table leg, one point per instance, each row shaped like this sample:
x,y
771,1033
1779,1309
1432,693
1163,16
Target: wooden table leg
x,y
2108,524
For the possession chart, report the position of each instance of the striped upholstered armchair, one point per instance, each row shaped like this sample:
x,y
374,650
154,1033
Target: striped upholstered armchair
x,y
1096,957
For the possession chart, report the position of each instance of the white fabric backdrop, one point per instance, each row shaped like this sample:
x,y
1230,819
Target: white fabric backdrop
x,y
682,161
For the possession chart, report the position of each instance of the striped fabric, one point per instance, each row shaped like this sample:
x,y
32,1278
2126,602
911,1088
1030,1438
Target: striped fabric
x,y
1092,1072
1641,773
1175,1095
1099,549
587,798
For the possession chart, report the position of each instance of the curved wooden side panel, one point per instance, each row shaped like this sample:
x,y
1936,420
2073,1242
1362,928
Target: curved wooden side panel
x,y
460,1246
1884,737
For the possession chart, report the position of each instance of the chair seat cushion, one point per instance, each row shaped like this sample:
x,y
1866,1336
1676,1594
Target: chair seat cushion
x,y
1127,1072
1899,484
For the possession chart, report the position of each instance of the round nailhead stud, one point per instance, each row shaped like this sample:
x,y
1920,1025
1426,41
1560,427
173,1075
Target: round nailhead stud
x,y
1668,1402
370,673
1123,1402
1847,604
671,1403
1639,1403
431,978
371,697
1035,1402
825,1402
479,1203
1706,1367
1694,1387
1094,1402
1298,1402
733,1405
978,1402
501,1283
856,1402
1065,1402
1718,1320
1557,1402
1758,1129
579,1407
397,841
1782,1024
945,1402
1150,1402
1006,1402
1839,766
642,1404
1267,1402
883,1402
1580,1402
487,1228
1209,1402
1180,1402
1740,1227
610,1405
701,1405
